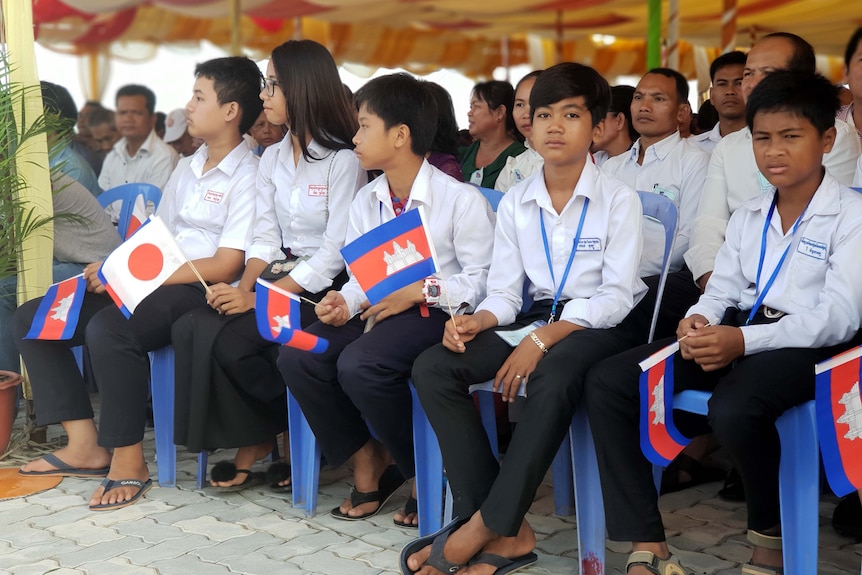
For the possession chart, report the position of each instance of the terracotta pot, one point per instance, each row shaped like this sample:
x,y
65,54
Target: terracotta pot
x,y
9,382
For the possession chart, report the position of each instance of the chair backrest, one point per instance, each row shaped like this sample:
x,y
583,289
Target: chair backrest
x,y
493,196
128,195
664,211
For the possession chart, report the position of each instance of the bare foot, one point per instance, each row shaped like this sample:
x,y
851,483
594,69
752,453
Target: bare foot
x,y
462,545
509,547
401,516
127,463
93,457
370,461
245,457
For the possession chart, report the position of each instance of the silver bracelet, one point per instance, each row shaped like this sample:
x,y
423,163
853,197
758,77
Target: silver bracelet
x,y
538,342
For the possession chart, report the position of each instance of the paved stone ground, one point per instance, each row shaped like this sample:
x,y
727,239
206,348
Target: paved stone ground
x,y
184,531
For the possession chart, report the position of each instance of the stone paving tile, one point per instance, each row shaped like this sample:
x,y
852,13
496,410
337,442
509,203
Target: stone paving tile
x,y
237,547
728,517
23,536
203,508
243,510
700,563
703,536
550,524
681,499
387,560
143,508
677,522
100,551
559,543
40,568
84,533
36,553
733,550
212,528
354,549
149,531
327,563
167,549
256,563
189,564
116,566
64,517
54,500
836,558
305,545
277,526
554,564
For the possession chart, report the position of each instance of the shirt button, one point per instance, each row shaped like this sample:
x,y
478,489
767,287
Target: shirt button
x,y
559,221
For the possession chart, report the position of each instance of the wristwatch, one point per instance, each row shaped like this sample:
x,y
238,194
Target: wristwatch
x,y
431,290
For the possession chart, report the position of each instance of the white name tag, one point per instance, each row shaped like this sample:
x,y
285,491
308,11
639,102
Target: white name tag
x,y
515,336
477,177
317,190
589,245
214,196
812,248
669,194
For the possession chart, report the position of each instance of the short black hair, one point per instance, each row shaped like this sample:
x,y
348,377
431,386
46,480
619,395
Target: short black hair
x,y
446,136
621,103
138,90
735,58
803,94
402,99
57,100
497,93
571,80
803,59
679,80
161,117
101,116
235,79
852,46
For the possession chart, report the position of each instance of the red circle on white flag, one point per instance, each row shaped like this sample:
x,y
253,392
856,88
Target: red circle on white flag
x,y
146,262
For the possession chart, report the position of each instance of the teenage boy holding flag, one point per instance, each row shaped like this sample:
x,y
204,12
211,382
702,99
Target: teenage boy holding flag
x,y
208,205
364,373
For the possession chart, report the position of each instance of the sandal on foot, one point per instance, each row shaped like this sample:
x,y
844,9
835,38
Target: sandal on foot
x,y
504,565
648,559
63,469
410,507
698,472
389,483
276,474
227,471
110,484
757,569
437,541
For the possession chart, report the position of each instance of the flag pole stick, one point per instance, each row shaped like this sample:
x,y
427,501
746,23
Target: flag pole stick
x,y
200,279
685,336
449,305
306,300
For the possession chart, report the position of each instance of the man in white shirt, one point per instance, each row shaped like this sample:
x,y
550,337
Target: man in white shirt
x,y
733,177
140,155
852,112
663,163
726,97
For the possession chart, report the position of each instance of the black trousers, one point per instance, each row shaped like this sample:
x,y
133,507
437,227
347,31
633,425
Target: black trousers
x,y
362,375
747,398
442,378
118,350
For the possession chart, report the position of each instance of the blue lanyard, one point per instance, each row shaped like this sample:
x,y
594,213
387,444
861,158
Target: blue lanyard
x,y
759,296
571,256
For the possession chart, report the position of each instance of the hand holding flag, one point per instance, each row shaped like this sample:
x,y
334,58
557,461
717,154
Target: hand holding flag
x,y
278,318
660,440
57,315
839,420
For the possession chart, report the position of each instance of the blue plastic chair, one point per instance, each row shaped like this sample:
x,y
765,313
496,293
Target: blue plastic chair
x,y
304,458
493,196
128,194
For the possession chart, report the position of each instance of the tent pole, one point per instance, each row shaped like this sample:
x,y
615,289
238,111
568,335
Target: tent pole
x,y
558,52
653,53
673,36
728,26
235,47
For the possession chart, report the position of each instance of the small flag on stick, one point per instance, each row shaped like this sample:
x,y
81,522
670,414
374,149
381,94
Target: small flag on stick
x,y
278,318
661,442
57,315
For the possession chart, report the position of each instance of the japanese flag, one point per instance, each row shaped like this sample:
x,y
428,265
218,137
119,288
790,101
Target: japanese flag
x,y
141,264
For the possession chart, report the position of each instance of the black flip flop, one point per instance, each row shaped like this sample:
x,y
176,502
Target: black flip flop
x,y
276,473
437,541
411,506
226,471
110,484
389,483
505,565
63,469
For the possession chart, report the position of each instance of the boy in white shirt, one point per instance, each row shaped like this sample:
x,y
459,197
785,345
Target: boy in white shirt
x,y
208,204
362,376
573,234
784,295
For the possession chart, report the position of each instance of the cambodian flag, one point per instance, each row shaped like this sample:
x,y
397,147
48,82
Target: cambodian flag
x,y
839,420
57,316
277,313
137,217
141,265
660,440
391,256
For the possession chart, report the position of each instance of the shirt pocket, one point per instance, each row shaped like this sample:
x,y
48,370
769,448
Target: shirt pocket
x,y
807,276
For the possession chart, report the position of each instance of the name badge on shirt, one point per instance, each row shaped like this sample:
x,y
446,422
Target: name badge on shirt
x,y
669,194
476,178
589,245
812,248
317,191
519,177
213,196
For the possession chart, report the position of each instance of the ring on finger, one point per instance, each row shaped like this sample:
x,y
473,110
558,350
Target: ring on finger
x,y
518,376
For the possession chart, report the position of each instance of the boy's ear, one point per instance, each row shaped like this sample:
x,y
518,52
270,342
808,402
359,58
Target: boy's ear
x,y
231,111
401,135
599,129
829,139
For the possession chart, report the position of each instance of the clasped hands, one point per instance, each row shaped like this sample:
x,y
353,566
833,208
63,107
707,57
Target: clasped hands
x,y
710,346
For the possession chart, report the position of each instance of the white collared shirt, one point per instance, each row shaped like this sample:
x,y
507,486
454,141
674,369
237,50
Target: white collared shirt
x,y
211,210
519,168
857,179
733,178
603,284
153,164
708,140
304,206
458,219
818,285
673,168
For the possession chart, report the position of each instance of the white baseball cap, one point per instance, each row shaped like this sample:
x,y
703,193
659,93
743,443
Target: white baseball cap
x,y
175,125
